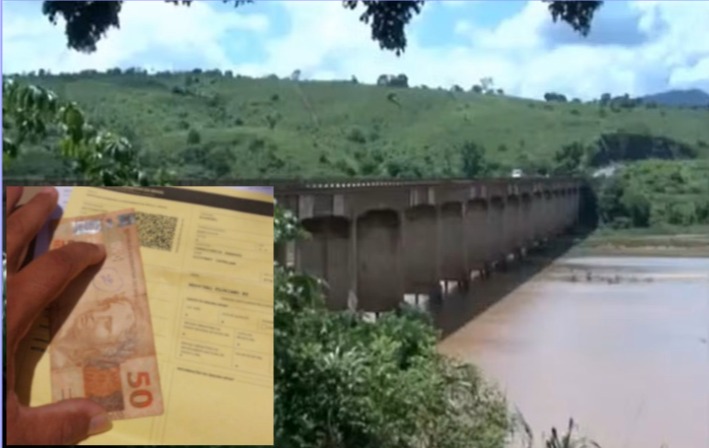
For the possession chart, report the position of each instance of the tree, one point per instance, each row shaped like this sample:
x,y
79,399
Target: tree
x,y
193,137
609,201
400,80
637,207
486,85
473,157
605,99
568,159
87,22
551,96
273,119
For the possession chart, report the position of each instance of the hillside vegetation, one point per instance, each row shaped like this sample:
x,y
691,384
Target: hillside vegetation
x,y
657,194
210,125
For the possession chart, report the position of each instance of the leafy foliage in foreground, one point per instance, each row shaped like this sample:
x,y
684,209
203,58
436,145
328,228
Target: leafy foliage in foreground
x,y
341,381
32,114
87,22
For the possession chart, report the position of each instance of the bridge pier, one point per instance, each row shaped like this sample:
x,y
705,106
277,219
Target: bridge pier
x,y
559,212
496,231
326,255
525,221
548,216
512,226
452,239
421,249
536,221
475,229
380,285
555,210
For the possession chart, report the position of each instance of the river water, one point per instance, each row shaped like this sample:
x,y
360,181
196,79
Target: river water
x,y
620,344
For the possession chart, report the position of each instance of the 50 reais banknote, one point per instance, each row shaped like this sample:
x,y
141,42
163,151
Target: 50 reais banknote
x,y
102,344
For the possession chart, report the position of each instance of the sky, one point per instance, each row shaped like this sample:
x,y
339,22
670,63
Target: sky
x,y
635,47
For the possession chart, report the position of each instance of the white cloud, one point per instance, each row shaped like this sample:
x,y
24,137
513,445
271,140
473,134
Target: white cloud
x,y
326,41
156,32
521,32
515,52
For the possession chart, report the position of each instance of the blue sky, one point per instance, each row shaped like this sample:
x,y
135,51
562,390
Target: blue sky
x,y
634,47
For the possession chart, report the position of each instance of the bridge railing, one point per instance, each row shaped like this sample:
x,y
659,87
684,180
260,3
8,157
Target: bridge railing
x,y
290,187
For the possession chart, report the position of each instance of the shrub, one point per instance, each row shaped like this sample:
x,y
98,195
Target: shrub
x,y
193,137
473,156
681,213
356,135
272,120
637,208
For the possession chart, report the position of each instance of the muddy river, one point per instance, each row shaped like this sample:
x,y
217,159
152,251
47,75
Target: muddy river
x,y
620,344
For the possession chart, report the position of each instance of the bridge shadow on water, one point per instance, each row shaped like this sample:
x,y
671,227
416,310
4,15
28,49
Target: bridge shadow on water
x,y
452,311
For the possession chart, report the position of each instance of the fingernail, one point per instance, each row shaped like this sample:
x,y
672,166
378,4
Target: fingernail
x,y
99,423
49,190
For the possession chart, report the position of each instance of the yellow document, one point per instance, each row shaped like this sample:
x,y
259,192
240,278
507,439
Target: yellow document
x,y
208,260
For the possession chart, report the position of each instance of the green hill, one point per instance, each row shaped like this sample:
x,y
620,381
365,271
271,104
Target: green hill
x,y
211,125
686,98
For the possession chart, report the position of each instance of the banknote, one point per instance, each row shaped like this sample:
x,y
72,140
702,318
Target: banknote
x,y
102,345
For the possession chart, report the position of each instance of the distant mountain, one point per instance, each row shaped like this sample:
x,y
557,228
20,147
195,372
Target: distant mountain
x,y
692,97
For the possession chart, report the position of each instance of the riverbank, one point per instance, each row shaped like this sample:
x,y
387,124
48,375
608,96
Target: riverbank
x,y
654,242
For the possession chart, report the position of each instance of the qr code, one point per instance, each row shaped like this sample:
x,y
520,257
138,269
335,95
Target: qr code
x,y
156,231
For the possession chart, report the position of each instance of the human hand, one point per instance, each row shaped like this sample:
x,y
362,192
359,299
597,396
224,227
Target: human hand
x,y
30,289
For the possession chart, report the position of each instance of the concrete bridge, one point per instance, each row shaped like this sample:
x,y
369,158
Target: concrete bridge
x,y
377,241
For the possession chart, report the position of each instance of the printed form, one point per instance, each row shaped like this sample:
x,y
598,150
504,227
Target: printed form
x,y
208,260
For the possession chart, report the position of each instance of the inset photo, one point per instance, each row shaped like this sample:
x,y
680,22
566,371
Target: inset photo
x,y
150,304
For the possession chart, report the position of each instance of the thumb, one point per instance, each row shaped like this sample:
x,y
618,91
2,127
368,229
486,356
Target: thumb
x,y
68,422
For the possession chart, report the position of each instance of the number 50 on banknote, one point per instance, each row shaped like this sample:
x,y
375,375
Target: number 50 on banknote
x,y
103,346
